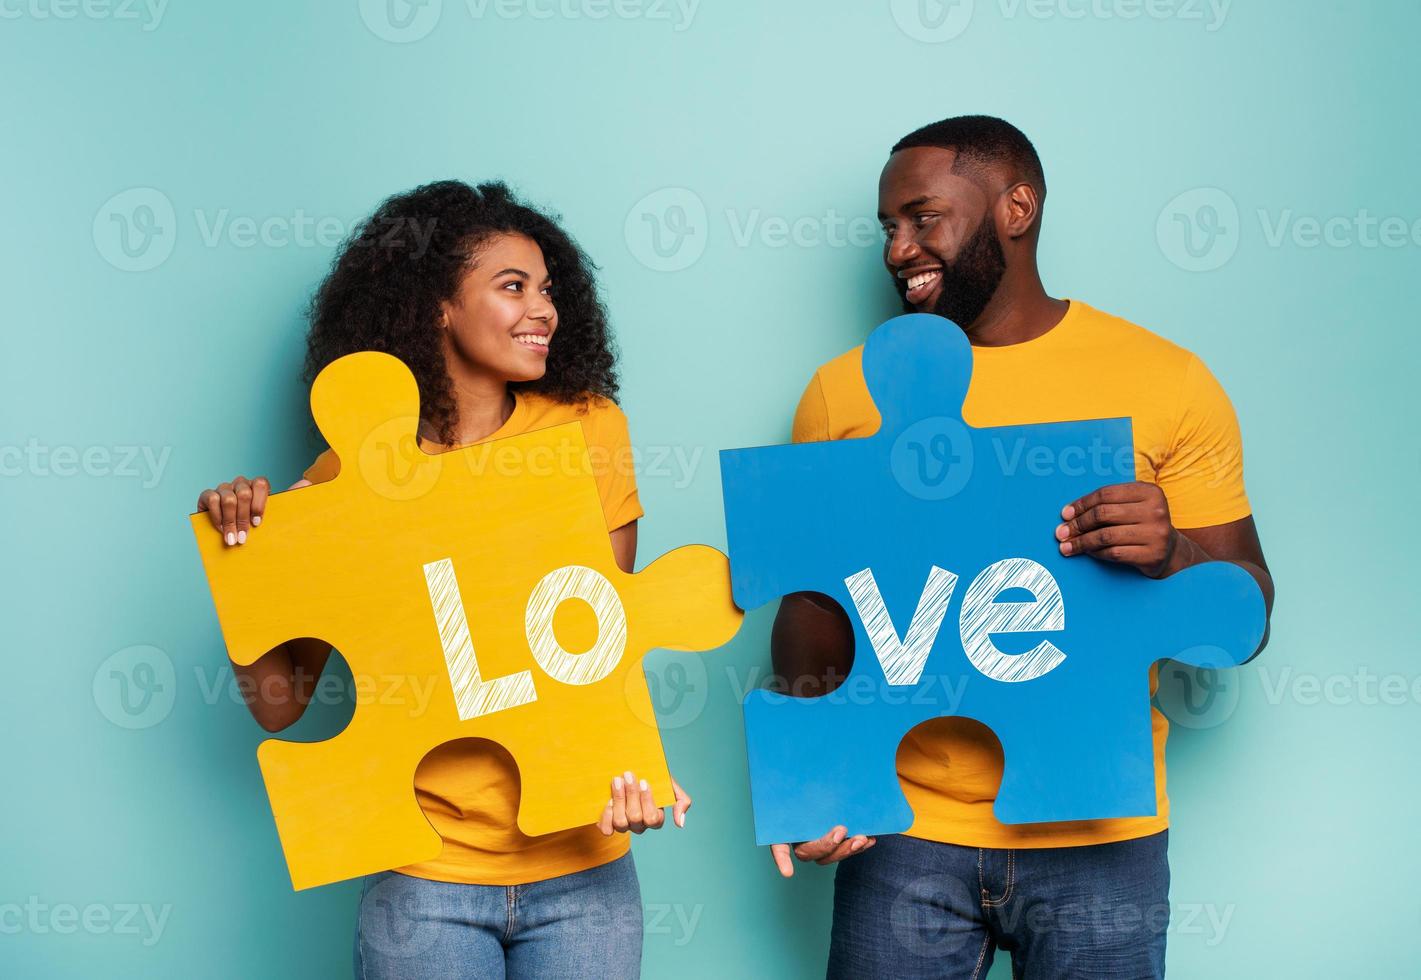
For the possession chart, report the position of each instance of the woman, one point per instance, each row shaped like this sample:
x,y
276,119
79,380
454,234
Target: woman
x,y
494,310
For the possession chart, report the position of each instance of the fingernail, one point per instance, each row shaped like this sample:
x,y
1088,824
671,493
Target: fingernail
x,y
645,785
855,847
1066,547
630,779
231,539
1062,532
256,521
241,537
680,820
1067,512
616,782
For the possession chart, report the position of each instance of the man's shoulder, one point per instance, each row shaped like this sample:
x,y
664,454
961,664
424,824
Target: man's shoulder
x,y
1142,345
843,374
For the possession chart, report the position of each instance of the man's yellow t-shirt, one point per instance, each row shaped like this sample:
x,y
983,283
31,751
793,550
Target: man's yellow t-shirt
x,y
469,789
1090,365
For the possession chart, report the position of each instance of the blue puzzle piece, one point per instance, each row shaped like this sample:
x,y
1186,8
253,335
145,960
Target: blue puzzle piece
x,y
939,537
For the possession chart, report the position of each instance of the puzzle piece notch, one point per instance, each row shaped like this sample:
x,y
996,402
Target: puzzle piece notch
x,y
1096,698
311,571
911,381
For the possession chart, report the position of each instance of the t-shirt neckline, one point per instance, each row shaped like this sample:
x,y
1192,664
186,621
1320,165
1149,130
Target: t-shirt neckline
x,y
1063,326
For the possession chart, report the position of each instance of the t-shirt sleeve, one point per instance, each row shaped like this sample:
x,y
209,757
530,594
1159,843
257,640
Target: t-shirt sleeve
x,y
324,468
811,418
609,450
1202,477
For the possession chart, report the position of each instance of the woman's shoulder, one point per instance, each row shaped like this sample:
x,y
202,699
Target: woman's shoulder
x,y
326,466
596,412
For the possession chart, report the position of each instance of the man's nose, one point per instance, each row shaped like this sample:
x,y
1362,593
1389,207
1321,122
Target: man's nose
x,y
903,250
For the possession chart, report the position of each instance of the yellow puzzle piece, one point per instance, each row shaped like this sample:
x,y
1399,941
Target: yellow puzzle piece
x,y
449,575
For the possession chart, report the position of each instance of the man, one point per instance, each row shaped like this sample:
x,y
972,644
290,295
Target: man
x,y
960,202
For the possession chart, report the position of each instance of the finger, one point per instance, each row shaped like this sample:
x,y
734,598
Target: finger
x,y
604,822
780,852
1115,493
813,850
1105,539
242,487
651,814
229,513
634,814
682,804
619,805
850,846
211,502
1101,515
261,489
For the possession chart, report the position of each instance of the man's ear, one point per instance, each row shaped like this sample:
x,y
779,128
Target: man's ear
x,y
1020,210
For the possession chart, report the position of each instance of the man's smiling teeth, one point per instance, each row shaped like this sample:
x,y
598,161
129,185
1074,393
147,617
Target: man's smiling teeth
x,y
921,279
537,340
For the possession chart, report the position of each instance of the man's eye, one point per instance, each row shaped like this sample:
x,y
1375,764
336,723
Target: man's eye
x,y
922,219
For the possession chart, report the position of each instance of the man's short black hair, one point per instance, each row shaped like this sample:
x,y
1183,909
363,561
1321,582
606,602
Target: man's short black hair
x,y
981,141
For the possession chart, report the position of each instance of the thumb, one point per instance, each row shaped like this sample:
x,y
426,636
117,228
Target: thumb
x,y
782,860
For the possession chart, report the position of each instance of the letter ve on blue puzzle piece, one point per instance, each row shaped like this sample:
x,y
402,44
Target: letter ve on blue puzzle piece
x,y
937,540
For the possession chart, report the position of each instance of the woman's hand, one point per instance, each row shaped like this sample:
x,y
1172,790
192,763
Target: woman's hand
x,y
631,807
237,506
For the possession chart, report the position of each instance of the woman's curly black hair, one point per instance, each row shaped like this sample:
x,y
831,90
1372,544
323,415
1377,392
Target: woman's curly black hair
x,y
389,278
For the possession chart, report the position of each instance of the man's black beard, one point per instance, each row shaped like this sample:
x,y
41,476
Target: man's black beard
x,y
969,284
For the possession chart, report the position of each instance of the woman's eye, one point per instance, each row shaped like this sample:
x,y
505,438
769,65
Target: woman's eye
x,y
515,285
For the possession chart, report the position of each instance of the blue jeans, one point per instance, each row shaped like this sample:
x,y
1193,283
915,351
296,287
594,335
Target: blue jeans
x,y
586,924
911,908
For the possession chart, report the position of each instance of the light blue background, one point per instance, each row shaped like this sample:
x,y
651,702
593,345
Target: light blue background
x,y
1293,808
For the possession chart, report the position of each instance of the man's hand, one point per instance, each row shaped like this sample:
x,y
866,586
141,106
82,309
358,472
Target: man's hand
x,y
1126,523
832,847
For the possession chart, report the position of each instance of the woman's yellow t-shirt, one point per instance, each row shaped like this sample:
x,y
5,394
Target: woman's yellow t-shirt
x,y
469,789
1089,366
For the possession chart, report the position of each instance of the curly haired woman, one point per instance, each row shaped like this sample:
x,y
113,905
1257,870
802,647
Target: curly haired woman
x,y
495,311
